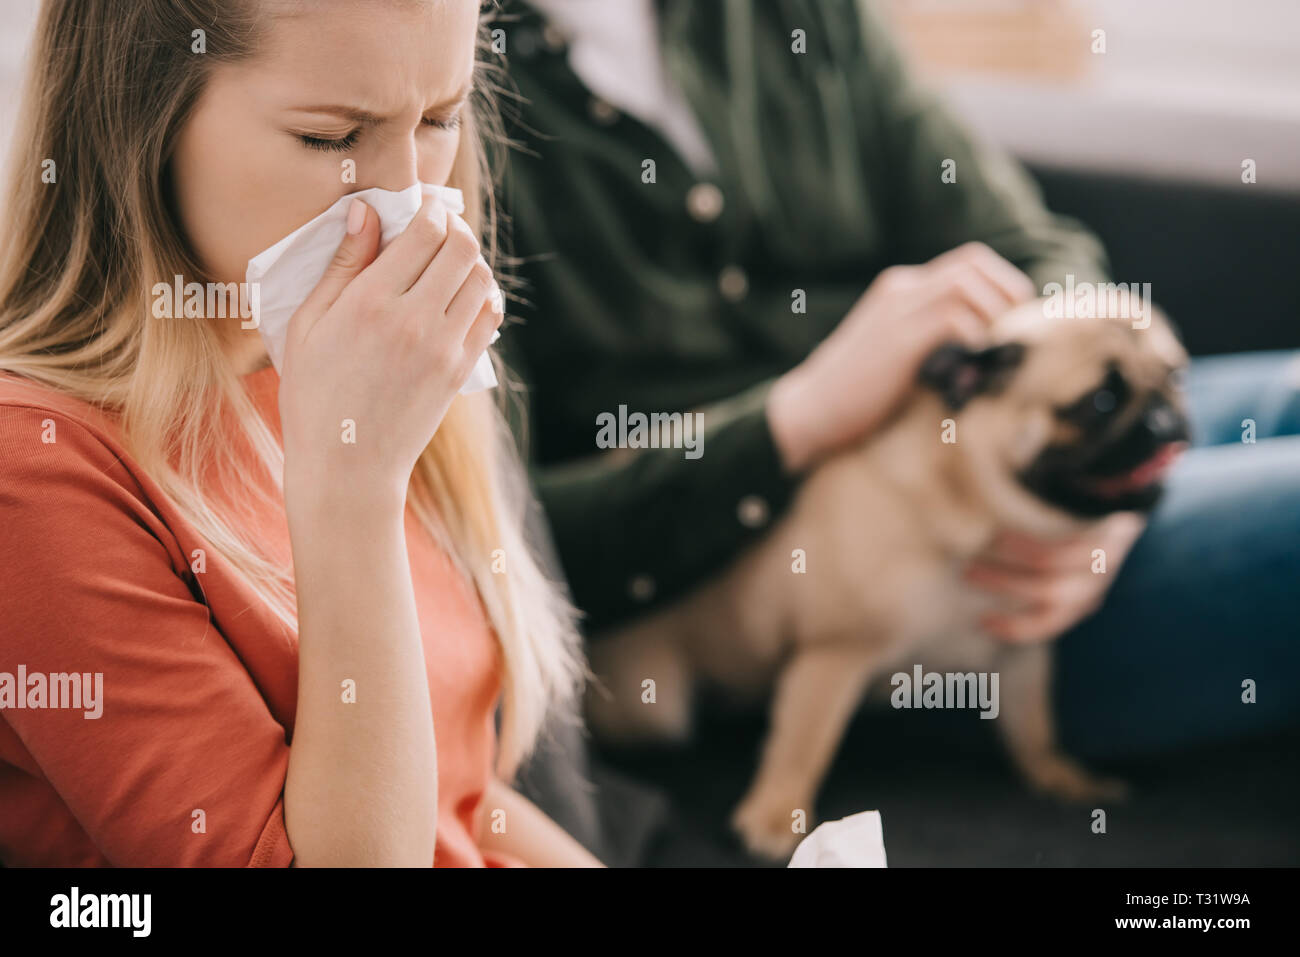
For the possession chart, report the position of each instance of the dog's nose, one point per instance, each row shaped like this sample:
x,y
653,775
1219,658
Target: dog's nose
x,y
1163,421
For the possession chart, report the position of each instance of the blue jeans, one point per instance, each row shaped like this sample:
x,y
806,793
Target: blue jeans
x,y
1210,594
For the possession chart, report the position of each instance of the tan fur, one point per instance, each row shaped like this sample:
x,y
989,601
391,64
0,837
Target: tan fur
x,y
886,528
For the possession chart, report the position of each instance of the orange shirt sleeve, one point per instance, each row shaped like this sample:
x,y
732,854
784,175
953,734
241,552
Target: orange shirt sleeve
x,y
186,765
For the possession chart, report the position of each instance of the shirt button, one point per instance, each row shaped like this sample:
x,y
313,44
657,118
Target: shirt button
x,y
704,202
641,588
752,512
602,111
733,283
554,38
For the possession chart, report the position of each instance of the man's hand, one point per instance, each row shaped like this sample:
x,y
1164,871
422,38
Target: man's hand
x,y
1051,586
852,380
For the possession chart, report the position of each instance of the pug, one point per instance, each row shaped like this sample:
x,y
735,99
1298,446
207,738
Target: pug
x,y
1045,430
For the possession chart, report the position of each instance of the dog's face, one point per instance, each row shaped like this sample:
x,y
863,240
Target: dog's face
x,y
1076,416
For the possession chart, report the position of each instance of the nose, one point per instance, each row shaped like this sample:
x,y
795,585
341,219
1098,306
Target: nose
x,y
1164,422
396,165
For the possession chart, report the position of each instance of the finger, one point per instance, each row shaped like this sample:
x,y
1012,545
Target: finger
x,y
895,279
1014,550
1034,588
355,252
1015,285
935,314
956,320
1122,529
497,300
486,324
447,274
406,258
961,280
474,293
1035,626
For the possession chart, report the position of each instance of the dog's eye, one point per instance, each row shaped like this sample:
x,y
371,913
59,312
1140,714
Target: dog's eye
x,y
1103,400
1095,408
1089,410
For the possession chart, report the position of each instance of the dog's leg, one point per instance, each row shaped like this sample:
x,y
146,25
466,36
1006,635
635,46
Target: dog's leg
x,y
817,693
1028,729
622,707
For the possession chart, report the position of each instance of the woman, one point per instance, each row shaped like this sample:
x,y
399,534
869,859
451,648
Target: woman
x,y
304,594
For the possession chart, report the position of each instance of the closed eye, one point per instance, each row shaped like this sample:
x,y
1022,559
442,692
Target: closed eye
x,y
338,144
443,122
344,143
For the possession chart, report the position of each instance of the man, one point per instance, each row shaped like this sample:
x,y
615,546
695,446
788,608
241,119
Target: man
x,y
705,192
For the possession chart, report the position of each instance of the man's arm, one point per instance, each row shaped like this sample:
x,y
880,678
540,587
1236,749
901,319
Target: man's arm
x,y
640,527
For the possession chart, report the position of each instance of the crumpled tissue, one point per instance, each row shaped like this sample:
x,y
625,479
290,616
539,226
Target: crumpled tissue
x,y
855,841
288,271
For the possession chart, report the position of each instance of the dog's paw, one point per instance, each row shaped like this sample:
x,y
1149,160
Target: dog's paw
x,y
766,824
1064,780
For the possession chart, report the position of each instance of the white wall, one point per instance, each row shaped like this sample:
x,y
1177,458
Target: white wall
x,y
17,20
1186,88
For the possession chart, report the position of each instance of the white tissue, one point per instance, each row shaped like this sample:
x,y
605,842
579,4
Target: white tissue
x,y
286,272
855,841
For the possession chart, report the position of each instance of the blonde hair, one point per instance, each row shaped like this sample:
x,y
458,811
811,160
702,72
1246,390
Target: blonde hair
x,y
109,85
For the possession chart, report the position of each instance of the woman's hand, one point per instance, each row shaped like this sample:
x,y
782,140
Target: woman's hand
x,y
850,382
377,352
1050,587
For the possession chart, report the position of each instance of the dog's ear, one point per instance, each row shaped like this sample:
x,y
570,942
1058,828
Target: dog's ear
x,y
959,373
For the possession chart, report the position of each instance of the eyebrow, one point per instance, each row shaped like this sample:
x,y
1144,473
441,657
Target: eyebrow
x,y
366,118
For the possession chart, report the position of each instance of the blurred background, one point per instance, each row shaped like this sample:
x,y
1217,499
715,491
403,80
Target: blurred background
x,y
1187,84
1145,142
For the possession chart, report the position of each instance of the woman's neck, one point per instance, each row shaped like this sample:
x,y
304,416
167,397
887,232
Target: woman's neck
x,y
248,353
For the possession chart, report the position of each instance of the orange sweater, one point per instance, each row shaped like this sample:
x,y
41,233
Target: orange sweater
x,y
186,764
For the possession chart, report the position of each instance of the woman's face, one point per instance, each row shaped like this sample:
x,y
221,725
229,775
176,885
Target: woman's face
x,y
377,89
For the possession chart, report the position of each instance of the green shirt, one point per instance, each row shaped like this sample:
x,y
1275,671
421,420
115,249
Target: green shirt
x,y
648,295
